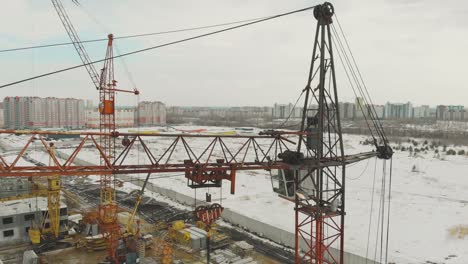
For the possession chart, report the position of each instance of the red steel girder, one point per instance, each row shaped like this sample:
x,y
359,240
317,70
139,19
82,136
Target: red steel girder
x,y
234,159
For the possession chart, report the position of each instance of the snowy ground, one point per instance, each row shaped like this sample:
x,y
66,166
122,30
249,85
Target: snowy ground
x,y
429,198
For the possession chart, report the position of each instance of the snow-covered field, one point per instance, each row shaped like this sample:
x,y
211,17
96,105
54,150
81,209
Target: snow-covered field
x,y
429,199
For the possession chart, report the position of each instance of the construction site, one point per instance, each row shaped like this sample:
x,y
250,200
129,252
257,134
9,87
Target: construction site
x,y
186,194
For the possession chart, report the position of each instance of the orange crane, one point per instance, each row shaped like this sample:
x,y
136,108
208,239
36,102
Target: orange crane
x,y
107,86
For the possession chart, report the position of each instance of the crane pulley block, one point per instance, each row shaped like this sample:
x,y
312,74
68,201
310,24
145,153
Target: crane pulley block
x,y
204,176
292,157
384,152
209,214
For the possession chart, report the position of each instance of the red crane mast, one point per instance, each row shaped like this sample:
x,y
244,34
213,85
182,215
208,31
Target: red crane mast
x,y
106,84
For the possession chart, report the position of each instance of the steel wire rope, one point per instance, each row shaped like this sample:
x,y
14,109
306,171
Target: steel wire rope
x,y
371,211
384,187
360,75
133,177
358,85
366,96
115,44
354,75
362,173
290,112
134,36
378,226
388,208
351,84
161,45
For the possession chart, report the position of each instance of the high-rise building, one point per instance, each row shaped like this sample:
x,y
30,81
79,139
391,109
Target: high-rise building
x,y
451,113
2,116
422,111
360,108
379,111
347,110
151,113
283,111
89,104
398,111
35,112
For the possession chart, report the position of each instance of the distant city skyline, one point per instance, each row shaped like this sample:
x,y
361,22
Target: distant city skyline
x,y
299,104
409,55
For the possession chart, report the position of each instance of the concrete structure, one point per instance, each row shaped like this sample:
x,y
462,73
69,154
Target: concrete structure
x,y
124,117
17,216
35,112
151,113
11,186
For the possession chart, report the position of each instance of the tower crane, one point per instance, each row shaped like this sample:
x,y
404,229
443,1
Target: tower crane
x,y
308,166
107,86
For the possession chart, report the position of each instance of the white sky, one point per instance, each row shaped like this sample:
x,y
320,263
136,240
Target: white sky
x,y
407,50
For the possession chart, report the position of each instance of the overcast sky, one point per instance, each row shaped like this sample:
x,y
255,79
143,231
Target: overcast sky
x,y
407,50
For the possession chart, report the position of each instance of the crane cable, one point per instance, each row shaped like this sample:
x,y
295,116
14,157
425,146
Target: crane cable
x,y
350,74
374,112
370,213
162,45
135,35
282,125
338,51
388,207
353,73
359,81
116,48
384,188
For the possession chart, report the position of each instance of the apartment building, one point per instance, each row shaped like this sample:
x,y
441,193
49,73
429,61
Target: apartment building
x,y
36,112
151,113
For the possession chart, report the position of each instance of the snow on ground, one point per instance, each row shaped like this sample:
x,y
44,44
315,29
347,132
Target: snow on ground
x,y
429,198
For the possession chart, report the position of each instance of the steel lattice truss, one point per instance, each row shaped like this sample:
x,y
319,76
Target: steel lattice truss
x,y
201,167
252,152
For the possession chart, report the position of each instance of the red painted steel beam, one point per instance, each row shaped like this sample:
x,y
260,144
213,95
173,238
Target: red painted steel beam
x,y
36,171
144,134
